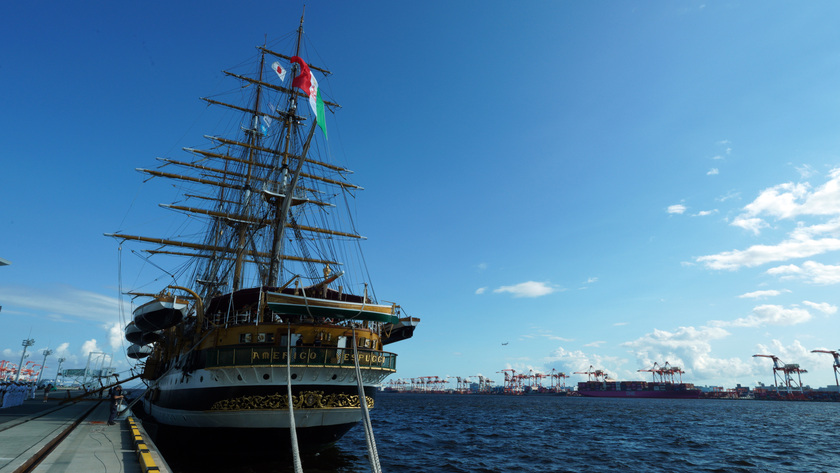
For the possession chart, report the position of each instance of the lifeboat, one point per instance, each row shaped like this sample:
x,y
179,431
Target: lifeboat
x,y
151,337
402,330
133,333
161,313
139,351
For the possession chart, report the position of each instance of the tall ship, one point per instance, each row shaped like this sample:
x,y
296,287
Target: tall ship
x,y
267,324
664,385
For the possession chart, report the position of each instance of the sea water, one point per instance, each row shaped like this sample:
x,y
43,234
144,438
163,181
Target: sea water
x,y
484,433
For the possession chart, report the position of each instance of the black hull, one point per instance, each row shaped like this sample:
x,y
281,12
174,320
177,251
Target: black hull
x,y
256,418
239,442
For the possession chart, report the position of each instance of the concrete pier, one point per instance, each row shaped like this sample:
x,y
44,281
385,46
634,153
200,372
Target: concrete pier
x,y
49,437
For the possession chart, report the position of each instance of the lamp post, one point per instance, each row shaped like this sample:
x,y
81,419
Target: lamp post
x,y
46,353
58,372
26,344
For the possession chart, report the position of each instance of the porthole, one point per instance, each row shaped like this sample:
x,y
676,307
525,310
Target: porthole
x,y
201,379
266,376
239,377
294,376
335,376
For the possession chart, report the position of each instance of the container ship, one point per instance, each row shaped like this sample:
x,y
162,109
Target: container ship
x,y
640,389
663,386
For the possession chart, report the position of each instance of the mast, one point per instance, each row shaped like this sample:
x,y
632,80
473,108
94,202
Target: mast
x,y
253,139
282,206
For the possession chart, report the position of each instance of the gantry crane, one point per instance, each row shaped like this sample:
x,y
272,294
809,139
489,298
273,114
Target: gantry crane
x,y
836,362
787,369
670,371
484,384
654,370
666,372
511,380
599,375
538,380
555,377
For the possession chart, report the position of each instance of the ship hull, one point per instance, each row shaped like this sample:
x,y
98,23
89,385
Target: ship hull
x,y
250,442
249,406
691,394
638,389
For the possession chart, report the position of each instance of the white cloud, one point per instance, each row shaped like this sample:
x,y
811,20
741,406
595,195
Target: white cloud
x,y
690,349
706,213
90,346
761,294
61,301
823,307
760,254
528,289
481,290
810,271
752,224
115,335
805,171
768,314
794,353
677,209
728,196
713,172
595,344
717,157
591,280
482,266
619,324
571,361
790,200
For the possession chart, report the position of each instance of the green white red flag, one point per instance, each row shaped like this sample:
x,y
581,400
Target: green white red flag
x,y
306,81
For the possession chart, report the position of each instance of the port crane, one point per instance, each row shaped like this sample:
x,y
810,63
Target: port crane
x,y
555,377
599,375
786,369
484,383
512,381
538,377
666,372
463,384
836,362
654,370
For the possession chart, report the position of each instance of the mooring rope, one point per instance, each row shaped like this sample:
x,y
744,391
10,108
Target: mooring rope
x,y
373,455
292,431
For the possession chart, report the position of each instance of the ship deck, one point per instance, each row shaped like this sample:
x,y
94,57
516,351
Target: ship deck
x,y
40,437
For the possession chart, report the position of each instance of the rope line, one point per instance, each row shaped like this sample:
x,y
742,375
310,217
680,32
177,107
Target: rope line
x,y
373,455
292,431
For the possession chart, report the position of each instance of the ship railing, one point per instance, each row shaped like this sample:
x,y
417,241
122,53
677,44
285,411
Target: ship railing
x,y
300,357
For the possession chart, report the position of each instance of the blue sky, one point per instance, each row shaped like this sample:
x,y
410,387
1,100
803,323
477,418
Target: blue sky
x,y
592,183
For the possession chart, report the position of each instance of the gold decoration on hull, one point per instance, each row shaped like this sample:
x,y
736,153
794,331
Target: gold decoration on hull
x,y
304,400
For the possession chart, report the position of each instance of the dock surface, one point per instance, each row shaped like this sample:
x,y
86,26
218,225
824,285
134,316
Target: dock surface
x,y
52,437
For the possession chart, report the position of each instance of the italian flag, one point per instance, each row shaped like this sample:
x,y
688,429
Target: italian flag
x,y
307,82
